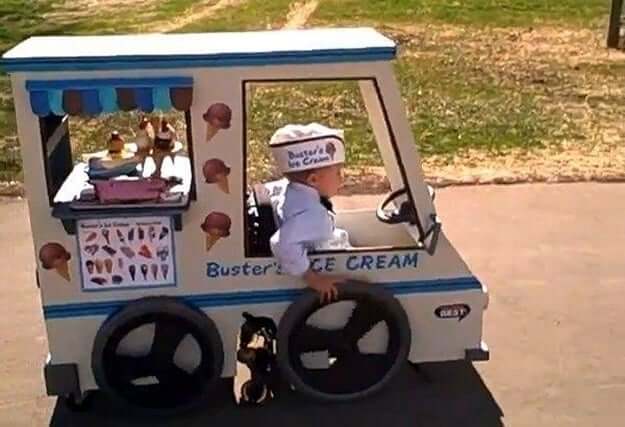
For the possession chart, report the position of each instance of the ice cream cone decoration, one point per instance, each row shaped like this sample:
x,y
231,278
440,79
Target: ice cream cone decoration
x,y
211,239
217,117
164,141
62,268
216,172
216,226
222,183
116,144
53,256
144,138
211,131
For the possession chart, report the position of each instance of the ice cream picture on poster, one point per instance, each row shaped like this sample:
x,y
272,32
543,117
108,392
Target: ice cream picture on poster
x,y
133,252
53,256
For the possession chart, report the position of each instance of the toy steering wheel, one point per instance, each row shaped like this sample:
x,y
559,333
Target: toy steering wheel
x,y
405,213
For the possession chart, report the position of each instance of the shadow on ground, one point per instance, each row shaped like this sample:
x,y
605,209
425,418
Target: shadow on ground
x,y
449,394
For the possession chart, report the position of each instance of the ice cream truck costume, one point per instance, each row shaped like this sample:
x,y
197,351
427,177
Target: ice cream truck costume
x,y
144,281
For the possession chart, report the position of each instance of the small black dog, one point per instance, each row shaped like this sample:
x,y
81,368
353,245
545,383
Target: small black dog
x,y
256,325
257,352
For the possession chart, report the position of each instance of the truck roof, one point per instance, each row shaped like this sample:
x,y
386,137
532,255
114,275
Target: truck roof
x,y
228,49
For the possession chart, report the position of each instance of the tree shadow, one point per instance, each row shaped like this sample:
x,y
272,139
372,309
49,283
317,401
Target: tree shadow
x,y
441,394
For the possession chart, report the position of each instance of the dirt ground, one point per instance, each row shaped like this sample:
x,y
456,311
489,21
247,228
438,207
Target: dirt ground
x,y
552,258
577,84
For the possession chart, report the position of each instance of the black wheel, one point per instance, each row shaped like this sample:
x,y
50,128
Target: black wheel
x,y
153,382
350,373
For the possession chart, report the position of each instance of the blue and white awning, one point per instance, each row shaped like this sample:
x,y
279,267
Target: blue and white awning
x,y
91,97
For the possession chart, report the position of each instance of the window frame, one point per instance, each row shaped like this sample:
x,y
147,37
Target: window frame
x,y
46,135
418,245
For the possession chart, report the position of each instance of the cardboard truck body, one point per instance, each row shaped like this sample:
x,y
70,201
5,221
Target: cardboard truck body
x,y
196,249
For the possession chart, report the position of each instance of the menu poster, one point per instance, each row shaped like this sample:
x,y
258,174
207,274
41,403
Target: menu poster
x,y
133,252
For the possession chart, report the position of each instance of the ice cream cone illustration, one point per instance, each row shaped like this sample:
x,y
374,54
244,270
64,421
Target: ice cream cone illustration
x,y
217,117
162,253
211,239
63,270
223,185
216,225
211,131
330,149
108,264
53,256
216,172
99,266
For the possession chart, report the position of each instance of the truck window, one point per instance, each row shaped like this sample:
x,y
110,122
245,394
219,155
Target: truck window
x,y
70,141
337,104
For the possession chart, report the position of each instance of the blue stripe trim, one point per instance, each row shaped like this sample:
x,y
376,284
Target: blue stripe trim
x,y
77,84
438,285
191,61
258,297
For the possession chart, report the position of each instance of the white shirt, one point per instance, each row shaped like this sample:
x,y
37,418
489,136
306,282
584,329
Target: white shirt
x,y
305,225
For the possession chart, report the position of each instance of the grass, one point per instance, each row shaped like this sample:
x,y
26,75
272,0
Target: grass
x,y
250,15
10,160
89,135
451,109
335,104
456,100
20,19
472,12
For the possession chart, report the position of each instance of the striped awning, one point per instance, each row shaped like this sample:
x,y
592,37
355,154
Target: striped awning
x,y
91,97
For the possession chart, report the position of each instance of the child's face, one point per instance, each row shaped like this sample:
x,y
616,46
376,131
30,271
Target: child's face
x,y
327,180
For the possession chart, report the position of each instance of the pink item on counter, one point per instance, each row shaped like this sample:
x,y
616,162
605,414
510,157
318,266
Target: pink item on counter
x,y
141,190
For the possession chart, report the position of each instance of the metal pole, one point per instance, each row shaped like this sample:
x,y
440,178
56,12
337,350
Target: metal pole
x,y
614,28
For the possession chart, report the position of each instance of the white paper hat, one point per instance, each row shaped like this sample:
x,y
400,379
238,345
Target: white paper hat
x,y
302,147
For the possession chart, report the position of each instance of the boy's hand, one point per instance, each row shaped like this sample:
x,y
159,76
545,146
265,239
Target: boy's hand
x,y
324,284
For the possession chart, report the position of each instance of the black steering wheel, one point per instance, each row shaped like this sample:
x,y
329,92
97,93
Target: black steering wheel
x,y
405,213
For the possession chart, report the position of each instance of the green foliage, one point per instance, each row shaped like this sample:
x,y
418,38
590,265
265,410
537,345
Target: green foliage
x,y
452,104
453,108
249,15
335,104
473,12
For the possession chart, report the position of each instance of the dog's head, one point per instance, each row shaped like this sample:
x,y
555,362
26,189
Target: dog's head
x,y
256,325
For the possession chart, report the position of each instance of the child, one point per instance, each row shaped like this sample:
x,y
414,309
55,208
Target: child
x,y
311,158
